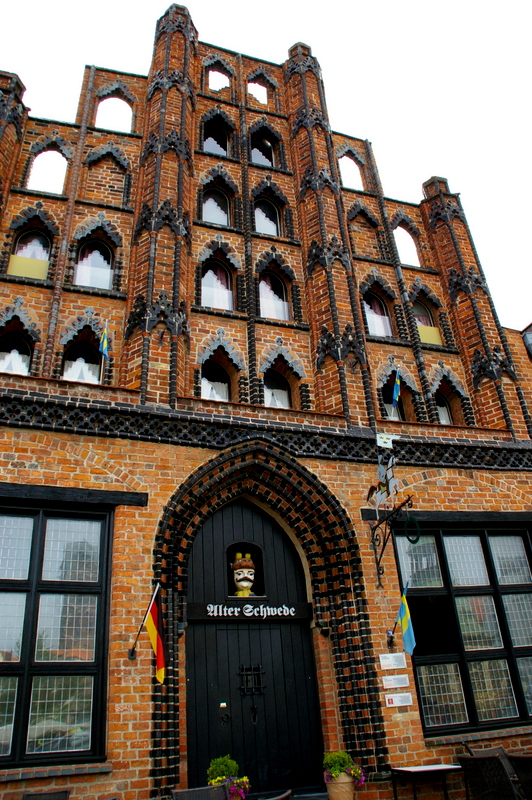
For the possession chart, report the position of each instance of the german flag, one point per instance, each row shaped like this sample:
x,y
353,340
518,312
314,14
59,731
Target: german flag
x,y
153,622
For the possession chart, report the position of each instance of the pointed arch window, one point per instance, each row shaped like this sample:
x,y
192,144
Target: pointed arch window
x,y
276,390
350,173
263,149
444,409
273,297
376,311
407,247
31,255
114,114
215,382
396,411
216,207
48,172
82,360
267,217
216,291
94,265
15,349
215,138
428,332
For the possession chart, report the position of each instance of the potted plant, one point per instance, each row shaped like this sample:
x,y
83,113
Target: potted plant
x,y
341,775
225,770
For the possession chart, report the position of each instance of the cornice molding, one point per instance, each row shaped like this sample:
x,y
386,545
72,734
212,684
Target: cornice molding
x,y
180,428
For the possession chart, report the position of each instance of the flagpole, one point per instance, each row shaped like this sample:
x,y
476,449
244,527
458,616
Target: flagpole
x,y
132,653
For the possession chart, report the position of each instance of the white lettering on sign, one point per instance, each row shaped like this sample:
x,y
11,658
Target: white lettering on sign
x,y
262,611
403,699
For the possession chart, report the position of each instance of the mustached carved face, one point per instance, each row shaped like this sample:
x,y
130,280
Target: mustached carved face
x,y
244,578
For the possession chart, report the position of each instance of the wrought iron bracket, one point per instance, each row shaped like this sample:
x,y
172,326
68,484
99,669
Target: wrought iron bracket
x,y
381,532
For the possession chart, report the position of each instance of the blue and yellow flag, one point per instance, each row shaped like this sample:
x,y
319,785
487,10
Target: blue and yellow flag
x,y
403,618
104,343
396,390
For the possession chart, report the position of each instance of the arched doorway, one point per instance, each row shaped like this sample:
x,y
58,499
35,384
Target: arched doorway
x,y
251,684
274,480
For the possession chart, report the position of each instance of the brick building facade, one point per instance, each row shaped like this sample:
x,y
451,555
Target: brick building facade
x,y
259,314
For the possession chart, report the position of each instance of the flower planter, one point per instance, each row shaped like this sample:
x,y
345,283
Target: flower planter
x,y
341,788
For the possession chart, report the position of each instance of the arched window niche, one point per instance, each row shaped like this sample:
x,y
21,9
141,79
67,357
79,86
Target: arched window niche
x,y
31,254
259,91
82,361
443,407
429,332
267,217
94,265
48,172
216,286
377,316
215,382
403,410
277,393
264,149
350,173
215,138
216,207
406,247
16,348
217,79
273,297
114,114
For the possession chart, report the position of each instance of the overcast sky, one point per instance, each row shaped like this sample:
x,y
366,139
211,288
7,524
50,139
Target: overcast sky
x,y
439,88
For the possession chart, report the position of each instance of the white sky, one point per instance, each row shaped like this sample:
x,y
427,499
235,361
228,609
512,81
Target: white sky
x,y
439,88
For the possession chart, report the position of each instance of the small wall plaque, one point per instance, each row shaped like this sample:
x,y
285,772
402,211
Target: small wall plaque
x,y
392,661
400,699
394,681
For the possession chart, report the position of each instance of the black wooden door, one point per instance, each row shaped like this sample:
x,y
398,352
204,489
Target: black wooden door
x,y
251,685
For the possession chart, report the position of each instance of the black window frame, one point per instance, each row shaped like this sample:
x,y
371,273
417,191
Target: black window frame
x,y
28,668
447,625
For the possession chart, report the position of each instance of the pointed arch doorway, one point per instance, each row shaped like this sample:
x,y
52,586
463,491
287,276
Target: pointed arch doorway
x,y
251,680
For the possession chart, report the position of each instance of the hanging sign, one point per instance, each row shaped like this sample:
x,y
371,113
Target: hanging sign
x,y
248,611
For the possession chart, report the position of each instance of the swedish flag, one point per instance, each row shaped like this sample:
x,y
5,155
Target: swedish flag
x,y
403,618
396,390
104,343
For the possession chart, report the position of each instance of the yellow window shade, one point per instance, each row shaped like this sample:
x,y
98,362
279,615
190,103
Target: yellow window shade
x,y
28,267
429,334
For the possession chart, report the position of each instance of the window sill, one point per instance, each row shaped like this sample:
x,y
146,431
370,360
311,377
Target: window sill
x,y
94,291
218,312
478,736
270,169
270,238
23,190
100,204
283,323
213,226
28,773
218,156
26,281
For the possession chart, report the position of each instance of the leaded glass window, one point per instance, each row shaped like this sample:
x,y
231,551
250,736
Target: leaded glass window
x,y
53,581
470,600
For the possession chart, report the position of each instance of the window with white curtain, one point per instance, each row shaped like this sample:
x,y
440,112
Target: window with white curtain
x,y
377,316
272,296
276,390
216,289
